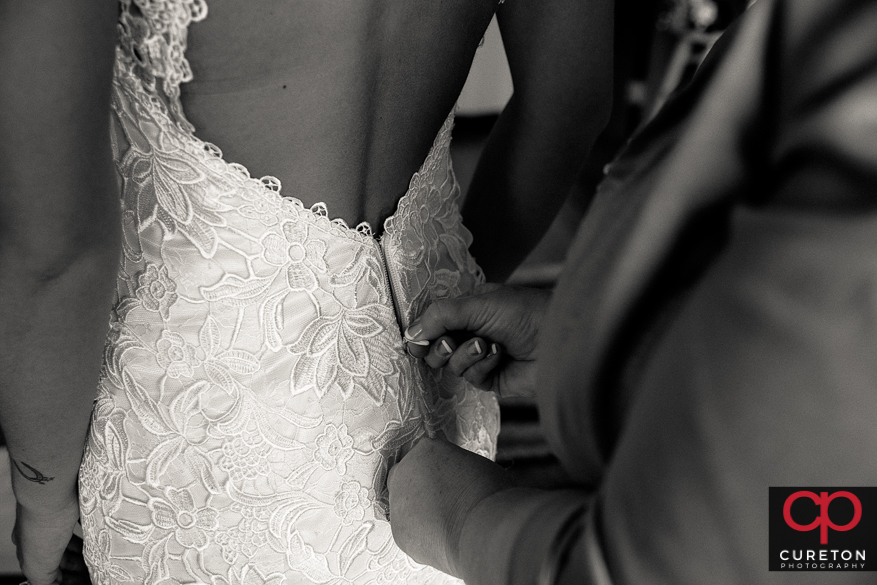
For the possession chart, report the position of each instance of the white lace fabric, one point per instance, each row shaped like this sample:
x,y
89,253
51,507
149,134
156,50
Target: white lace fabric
x,y
255,386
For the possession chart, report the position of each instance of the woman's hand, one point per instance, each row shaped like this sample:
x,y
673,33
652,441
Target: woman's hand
x,y
41,538
432,490
489,338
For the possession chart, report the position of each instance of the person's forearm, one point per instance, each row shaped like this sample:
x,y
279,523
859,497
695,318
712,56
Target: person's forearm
x,y
523,177
560,58
51,339
59,235
508,538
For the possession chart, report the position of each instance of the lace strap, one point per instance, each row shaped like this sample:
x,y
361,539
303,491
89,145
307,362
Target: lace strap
x,y
152,35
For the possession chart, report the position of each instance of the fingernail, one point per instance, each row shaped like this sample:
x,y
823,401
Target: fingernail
x,y
413,331
493,349
447,348
476,348
422,342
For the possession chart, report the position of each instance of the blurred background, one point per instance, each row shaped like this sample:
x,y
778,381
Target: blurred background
x,y
658,46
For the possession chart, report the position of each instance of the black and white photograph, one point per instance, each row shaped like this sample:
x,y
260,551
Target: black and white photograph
x,y
438,292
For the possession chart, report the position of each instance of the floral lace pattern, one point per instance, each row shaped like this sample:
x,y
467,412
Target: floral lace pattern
x,y
255,386
152,35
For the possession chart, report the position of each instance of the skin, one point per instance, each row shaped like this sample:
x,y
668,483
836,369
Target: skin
x,y
437,467
347,112
331,97
489,338
438,489
58,255
560,57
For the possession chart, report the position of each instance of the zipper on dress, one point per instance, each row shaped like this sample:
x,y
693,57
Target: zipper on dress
x,y
396,309
424,416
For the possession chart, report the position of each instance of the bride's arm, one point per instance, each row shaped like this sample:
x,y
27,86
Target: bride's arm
x,y
560,55
58,254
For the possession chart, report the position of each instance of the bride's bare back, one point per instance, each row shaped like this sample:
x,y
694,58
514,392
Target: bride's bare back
x,y
367,84
339,99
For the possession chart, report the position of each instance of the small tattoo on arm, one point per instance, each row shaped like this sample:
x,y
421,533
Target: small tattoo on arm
x,y
35,475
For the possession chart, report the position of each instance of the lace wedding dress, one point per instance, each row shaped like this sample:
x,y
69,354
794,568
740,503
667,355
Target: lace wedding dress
x,y
255,387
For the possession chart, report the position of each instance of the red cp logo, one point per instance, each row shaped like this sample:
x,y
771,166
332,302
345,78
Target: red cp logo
x,y
822,521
